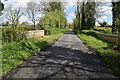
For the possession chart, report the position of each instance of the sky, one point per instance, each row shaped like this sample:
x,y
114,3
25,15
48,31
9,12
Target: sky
x,y
70,10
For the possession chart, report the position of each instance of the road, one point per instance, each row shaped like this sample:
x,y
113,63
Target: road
x,y
67,58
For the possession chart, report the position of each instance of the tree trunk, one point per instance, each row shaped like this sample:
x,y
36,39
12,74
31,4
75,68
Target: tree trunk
x,y
78,17
119,36
13,27
59,19
34,25
113,23
118,25
80,21
119,41
114,28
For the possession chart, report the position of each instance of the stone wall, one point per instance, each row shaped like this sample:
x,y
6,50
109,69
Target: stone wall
x,y
35,33
108,37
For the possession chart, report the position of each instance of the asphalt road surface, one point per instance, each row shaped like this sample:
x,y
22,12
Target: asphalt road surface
x,y
67,58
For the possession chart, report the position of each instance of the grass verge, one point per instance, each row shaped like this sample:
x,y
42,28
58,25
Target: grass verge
x,y
110,57
107,30
14,53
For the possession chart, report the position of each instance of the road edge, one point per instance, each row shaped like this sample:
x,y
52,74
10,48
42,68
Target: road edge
x,y
14,70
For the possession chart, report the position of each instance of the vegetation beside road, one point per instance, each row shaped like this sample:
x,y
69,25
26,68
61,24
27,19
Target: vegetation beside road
x,y
86,17
10,35
107,30
51,17
16,47
111,57
14,53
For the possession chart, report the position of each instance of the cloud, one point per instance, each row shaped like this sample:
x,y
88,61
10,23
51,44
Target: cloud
x,y
106,10
70,21
70,17
104,17
24,18
22,4
110,22
16,3
70,4
40,15
103,0
99,20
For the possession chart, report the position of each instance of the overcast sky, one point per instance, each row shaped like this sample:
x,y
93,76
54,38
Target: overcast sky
x,y
70,9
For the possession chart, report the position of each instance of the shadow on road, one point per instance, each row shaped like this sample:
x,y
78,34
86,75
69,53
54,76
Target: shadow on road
x,y
68,58
63,62
69,32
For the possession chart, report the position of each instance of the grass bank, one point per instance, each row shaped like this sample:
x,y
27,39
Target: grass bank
x,y
14,53
110,57
107,30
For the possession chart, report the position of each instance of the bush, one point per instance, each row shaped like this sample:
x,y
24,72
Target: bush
x,y
90,32
25,27
64,30
103,29
52,30
46,30
28,27
76,31
103,24
10,35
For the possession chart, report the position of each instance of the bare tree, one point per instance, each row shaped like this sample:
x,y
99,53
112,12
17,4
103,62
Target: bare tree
x,y
13,15
32,10
45,6
100,10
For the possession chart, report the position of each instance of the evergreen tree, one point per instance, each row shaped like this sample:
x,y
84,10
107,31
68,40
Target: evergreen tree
x,y
77,20
90,13
118,21
78,17
114,11
83,16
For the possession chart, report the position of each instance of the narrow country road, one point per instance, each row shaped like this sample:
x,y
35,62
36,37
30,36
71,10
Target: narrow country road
x,y
67,58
